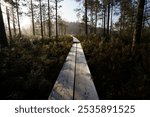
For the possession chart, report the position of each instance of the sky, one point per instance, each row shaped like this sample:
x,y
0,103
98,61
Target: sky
x,y
67,13
67,10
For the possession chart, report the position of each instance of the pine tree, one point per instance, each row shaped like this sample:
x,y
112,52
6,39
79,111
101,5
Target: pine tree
x,y
138,25
3,38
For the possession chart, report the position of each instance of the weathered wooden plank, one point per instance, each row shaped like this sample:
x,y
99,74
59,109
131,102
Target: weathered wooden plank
x,y
75,40
74,80
84,86
63,88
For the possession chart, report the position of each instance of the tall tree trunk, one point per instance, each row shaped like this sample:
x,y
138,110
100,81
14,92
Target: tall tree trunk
x,y
14,23
3,38
111,20
108,17
123,21
56,20
49,20
44,31
96,19
18,18
44,22
133,15
138,25
41,19
86,25
96,14
8,21
33,28
92,21
104,34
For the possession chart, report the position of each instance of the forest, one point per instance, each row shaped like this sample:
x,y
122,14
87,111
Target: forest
x,y
114,34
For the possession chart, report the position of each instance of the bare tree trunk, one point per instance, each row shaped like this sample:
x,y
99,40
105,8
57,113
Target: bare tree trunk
x,y
96,14
14,23
91,28
3,38
56,21
41,19
33,28
44,30
108,18
111,20
49,20
104,21
123,22
96,19
138,25
8,21
133,15
18,18
44,22
86,25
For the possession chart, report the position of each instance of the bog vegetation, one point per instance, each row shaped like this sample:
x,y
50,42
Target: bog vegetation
x,y
117,72
29,70
115,35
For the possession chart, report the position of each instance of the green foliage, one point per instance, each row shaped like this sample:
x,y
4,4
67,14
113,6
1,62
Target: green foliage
x,y
28,69
118,73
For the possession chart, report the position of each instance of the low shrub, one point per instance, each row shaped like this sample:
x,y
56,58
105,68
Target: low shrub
x,y
116,71
29,69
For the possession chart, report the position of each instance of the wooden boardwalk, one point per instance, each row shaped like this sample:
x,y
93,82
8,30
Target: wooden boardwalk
x,y
74,81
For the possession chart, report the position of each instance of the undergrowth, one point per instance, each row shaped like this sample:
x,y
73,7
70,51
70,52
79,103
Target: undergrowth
x,y
117,72
29,68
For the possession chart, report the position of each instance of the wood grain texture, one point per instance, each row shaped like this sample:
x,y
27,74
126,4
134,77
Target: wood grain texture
x,y
63,88
74,80
84,86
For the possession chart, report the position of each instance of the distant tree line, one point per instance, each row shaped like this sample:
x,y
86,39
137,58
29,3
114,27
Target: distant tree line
x,y
41,12
133,16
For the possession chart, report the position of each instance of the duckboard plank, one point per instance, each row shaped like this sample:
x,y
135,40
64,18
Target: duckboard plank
x,y
84,86
63,88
